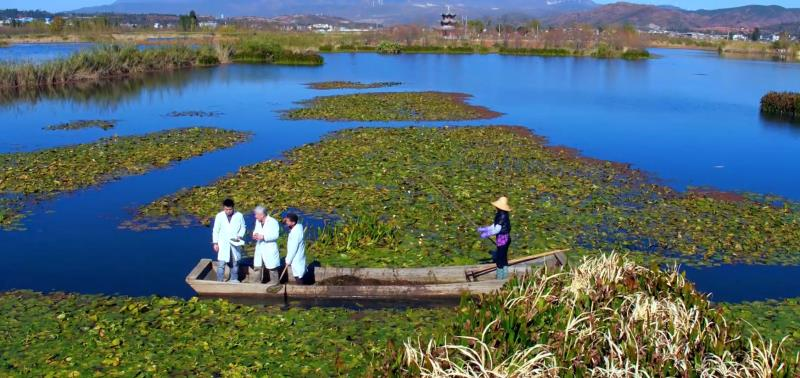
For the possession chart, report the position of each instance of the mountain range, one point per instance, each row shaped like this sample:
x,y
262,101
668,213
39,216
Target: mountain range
x,y
552,12
672,18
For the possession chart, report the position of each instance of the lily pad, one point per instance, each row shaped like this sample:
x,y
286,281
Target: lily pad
x,y
414,196
84,124
30,176
327,85
392,106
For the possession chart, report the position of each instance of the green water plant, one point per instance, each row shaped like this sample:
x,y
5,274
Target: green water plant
x,y
774,320
391,106
782,104
261,50
326,85
432,186
388,47
39,174
84,335
84,124
606,317
194,113
537,51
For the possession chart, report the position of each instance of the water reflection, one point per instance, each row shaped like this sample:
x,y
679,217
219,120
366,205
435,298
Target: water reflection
x,y
107,94
781,123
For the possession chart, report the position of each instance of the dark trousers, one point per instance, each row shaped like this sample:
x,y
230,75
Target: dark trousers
x,y
501,255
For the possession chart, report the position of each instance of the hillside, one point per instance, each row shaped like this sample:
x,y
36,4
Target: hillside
x,y
379,11
678,19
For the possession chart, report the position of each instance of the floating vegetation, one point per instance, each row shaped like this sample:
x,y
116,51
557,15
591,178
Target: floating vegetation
x,y
36,175
781,104
538,52
324,85
68,335
260,50
392,106
636,54
413,197
388,47
606,317
194,113
772,319
83,124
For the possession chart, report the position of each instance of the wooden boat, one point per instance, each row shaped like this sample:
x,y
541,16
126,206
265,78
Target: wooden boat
x,y
376,283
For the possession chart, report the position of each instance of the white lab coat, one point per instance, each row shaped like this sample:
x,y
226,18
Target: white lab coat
x,y
267,249
296,251
224,231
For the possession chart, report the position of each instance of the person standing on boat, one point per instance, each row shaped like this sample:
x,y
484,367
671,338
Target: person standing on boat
x,y
501,228
266,233
229,229
295,248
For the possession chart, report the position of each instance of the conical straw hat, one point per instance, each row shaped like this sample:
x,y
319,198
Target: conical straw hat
x,y
502,204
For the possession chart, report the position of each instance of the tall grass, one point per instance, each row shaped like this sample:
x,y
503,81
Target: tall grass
x,y
100,63
607,317
784,104
264,50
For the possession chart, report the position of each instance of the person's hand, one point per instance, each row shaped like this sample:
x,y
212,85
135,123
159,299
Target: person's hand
x,y
216,247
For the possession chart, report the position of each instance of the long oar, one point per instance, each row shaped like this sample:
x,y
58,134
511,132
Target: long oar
x,y
474,274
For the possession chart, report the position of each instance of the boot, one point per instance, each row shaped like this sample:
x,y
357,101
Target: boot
x,y
502,273
273,277
256,275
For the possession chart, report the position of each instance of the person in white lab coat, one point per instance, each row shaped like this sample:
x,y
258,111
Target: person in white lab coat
x,y
227,237
267,257
295,248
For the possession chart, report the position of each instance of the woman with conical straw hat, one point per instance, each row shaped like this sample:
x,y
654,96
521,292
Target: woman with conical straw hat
x,y
501,228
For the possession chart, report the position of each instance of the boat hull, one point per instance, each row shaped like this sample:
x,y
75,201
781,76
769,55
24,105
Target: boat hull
x,y
418,283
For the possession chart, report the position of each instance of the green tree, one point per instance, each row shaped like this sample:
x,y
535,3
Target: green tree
x,y
57,25
534,25
189,22
476,26
756,34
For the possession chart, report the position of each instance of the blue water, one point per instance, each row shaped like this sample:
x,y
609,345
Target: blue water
x,y
39,52
689,118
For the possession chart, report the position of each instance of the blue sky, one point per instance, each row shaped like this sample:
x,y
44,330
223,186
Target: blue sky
x,y
60,5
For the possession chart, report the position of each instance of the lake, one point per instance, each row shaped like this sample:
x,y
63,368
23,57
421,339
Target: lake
x,y
689,118
39,52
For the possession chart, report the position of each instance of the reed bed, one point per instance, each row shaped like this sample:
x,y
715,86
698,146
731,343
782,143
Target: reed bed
x,y
103,62
119,61
261,50
782,104
607,317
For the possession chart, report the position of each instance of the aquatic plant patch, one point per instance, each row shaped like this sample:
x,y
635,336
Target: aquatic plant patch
x,y
194,113
326,85
605,317
67,335
392,106
261,50
84,124
782,104
62,169
414,196
772,319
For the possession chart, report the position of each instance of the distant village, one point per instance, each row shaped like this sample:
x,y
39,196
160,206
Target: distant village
x,y
317,23
738,35
327,24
